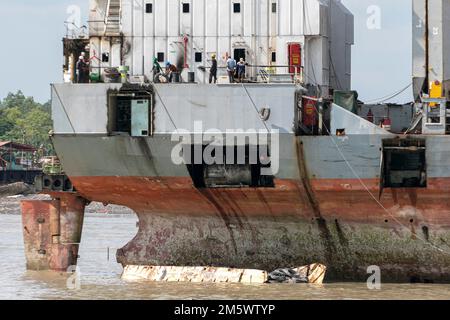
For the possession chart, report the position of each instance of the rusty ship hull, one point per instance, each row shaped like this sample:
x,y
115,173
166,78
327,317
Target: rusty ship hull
x,y
327,203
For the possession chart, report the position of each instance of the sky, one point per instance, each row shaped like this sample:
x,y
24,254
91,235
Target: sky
x,y
31,51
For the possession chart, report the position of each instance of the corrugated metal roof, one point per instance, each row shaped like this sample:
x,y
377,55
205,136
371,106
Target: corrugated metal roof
x,y
16,146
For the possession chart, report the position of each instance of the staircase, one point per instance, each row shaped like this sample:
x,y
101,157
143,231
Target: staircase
x,y
113,25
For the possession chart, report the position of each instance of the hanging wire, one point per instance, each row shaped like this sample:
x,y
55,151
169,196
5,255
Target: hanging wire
x,y
165,108
341,153
254,105
64,108
388,97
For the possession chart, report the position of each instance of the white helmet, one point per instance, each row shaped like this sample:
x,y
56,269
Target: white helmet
x,y
81,58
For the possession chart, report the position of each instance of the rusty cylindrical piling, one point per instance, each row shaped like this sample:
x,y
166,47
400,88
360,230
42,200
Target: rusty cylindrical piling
x,y
52,231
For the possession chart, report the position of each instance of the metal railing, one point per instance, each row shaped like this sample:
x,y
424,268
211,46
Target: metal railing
x,y
265,73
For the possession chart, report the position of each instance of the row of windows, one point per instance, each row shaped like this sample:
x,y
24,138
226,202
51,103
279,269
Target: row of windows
x,y
187,9
199,57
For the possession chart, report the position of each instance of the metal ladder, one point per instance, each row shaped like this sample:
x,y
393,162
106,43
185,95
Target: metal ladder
x,y
113,25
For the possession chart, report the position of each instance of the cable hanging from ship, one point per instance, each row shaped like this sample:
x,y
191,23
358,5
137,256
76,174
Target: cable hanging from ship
x,y
388,97
341,153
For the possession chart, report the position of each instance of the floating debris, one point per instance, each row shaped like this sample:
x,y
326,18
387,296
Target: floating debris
x,y
314,273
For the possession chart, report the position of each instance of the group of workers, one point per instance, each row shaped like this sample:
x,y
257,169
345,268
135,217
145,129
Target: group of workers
x,y
160,76
235,70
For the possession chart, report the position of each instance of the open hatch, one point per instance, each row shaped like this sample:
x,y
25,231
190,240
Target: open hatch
x,y
403,163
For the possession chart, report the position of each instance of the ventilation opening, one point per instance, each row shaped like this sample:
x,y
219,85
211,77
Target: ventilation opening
x,y
231,173
404,164
131,112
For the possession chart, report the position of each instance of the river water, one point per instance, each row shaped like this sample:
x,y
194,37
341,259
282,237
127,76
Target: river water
x,y
100,274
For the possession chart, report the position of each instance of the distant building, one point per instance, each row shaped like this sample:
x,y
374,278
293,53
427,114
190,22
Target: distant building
x,y
16,162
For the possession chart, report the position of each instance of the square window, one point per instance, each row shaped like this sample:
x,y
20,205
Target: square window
x,y
149,7
160,56
186,7
274,7
236,7
274,56
198,57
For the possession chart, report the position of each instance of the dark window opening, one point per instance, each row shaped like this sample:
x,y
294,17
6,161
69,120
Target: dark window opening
x,y
198,57
230,175
236,7
160,56
274,7
105,57
274,56
131,112
123,115
404,164
149,7
239,53
186,8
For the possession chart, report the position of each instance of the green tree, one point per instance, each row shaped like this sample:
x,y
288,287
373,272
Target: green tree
x,y
25,121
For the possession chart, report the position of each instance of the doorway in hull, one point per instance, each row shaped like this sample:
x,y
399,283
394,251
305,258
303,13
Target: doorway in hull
x,y
403,164
130,111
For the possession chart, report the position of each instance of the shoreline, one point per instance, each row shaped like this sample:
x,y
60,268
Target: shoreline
x,y
10,205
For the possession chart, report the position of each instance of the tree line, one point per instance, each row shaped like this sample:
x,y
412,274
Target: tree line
x,y
24,120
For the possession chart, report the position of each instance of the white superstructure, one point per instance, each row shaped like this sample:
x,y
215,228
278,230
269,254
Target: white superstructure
x,y
270,34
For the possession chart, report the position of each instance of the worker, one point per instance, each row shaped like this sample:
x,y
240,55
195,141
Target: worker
x,y
170,70
157,70
231,69
241,70
82,71
213,71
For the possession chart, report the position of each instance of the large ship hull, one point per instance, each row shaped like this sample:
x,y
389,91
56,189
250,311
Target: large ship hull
x,y
318,211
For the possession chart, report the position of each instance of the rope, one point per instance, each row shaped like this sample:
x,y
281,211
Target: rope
x,y
373,196
254,105
388,97
165,108
64,108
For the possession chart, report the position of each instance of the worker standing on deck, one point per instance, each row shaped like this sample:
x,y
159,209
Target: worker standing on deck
x,y
82,71
241,70
213,71
231,68
157,70
170,70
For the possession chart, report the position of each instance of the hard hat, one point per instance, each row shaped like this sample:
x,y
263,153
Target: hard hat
x,y
81,58
213,56
167,63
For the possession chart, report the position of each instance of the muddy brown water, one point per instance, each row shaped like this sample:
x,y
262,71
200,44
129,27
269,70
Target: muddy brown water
x,y
105,230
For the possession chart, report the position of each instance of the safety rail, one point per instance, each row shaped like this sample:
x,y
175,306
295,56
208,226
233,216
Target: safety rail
x,y
268,73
